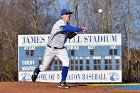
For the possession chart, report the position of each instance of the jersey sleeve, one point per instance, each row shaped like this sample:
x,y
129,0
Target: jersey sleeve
x,y
69,28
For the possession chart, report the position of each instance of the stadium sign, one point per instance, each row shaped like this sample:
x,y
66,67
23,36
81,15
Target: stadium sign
x,y
93,58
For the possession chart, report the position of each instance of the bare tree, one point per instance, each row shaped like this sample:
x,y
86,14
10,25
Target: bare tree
x,y
36,11
14,21
98,22
118,16
76,12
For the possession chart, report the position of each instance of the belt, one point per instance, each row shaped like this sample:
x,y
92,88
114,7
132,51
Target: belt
x,y
55,47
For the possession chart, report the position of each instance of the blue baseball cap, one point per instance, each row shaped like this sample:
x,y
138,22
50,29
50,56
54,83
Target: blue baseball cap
x,y
65,11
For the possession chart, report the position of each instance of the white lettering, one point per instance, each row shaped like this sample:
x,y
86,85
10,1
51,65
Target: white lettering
x,y
29,62
28,68
29,48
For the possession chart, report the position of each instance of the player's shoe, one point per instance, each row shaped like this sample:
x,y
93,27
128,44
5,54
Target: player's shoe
x,y
34,77
63,85
35,74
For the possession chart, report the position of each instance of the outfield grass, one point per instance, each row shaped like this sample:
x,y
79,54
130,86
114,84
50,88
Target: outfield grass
x,y
132,86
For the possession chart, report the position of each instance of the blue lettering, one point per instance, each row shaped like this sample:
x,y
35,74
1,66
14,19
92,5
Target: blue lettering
x,y
23,40
51,76
100,38
83,77
74,76
33,39
114,38
86,38
43,77
96,76
58,76
94,39
79,39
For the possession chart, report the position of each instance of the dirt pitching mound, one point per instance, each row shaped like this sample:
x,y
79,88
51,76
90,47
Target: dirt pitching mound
x,y
42,87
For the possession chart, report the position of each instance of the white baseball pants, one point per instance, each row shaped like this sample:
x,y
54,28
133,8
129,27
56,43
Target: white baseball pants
x,y
50,53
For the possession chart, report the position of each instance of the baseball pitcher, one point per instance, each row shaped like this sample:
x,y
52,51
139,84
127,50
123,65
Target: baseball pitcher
x,y
55,47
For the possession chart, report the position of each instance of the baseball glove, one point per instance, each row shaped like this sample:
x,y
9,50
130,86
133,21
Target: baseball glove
x,y
71,35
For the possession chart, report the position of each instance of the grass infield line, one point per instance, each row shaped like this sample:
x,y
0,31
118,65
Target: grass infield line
x,y
127,84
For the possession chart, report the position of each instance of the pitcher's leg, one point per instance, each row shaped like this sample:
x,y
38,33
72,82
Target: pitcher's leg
x,y
63,56
48,57
47,60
